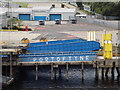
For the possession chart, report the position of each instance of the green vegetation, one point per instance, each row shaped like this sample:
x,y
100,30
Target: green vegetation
x,y
79,4
88,13
14,22
25,5
105,8
72,4
77,13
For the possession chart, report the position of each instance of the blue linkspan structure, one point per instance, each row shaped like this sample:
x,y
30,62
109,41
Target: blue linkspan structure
x,y
61,51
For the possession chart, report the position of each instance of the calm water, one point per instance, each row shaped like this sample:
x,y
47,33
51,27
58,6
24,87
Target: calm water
x,y
26,79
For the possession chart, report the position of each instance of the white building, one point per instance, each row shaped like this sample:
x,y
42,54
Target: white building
x,y
47,12
61,13
87,8
41,12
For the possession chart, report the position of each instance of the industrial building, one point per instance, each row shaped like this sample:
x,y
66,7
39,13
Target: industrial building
x,y
49,12
61,13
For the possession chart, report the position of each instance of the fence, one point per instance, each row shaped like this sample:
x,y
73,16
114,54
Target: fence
x,y
107,23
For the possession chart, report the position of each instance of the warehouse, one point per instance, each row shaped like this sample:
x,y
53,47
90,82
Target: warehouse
x,y
61,13
41,12
23,13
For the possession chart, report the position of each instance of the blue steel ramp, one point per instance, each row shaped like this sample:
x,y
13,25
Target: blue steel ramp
x,y
56,42
62,47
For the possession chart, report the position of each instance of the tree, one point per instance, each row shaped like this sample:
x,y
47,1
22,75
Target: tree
x,y
79,4
14,22
104,8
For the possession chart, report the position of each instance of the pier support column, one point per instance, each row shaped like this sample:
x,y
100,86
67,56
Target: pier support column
x,y
11,67
82,66
52,71
96,71
36,71
102,72
55,69
67,71
106,73
59,72
118,76
112,70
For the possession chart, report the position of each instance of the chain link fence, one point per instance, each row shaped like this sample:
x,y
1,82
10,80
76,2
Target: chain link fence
x,y
107,23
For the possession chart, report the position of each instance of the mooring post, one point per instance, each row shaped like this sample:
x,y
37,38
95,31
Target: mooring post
x,y
36,71
11,68
82,66
52,71
67,71
96,71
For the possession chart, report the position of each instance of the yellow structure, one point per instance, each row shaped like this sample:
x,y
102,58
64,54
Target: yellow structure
x,y
43,40
25,40
4,43
107,45
91,36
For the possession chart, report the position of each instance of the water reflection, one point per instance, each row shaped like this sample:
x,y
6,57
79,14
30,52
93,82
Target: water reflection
x,y
26,78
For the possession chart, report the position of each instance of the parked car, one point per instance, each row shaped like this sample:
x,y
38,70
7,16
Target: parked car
x,y
73,21
41,22
57,21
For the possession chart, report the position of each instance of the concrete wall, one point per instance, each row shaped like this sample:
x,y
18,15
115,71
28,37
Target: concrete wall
x,y
66,16
107,23
30,23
